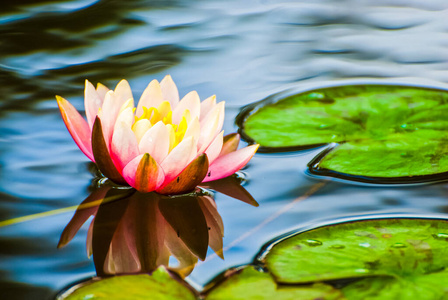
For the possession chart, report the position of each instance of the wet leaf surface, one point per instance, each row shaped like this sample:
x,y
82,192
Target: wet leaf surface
x,y
383,134
251,284
391,258
158,285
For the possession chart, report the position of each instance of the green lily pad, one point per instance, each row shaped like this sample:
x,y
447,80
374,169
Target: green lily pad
x,y
157,286
428,287
378,133
387,258
250,284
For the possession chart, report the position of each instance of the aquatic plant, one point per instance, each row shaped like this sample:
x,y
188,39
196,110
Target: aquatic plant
x,y
164,144
386,134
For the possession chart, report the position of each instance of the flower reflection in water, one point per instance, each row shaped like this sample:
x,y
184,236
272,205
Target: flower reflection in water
x,y
134,232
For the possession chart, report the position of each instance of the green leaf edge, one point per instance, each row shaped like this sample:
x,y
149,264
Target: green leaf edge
x,y
314,167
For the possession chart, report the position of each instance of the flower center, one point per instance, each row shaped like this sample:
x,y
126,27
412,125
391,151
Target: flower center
x,y
163,113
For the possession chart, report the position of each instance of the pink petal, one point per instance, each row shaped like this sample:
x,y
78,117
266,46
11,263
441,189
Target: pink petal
x,y
179,158
92,103
207,105
102,154
218,111
221,117
143,173
151,97
123,92
215,148
169,91
102,90
156,142
140,128
208,129
124,147
191,102
228,164
188,179
108,115
77,126
193,129
126,116
230,144
114,103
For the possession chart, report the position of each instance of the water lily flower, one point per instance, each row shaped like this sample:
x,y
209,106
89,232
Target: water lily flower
x,y
165,144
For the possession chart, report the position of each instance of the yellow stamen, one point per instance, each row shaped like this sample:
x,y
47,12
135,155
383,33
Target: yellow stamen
x,y
172,136
164,108
163,112
168,119
181,129
187,116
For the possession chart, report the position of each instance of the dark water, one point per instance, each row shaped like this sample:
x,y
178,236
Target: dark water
x,y
242,51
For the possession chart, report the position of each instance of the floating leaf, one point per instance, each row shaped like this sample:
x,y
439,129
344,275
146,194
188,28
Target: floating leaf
x,y
378,133
387,258
429,287
251,284
158,285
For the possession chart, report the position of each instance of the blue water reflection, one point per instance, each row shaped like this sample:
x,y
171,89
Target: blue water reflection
x,y
242,51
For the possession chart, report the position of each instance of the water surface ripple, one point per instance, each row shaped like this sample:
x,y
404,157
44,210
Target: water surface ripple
x,y
242,51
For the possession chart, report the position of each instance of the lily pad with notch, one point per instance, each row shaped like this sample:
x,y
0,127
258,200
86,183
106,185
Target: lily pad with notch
x,y
376,133
248,283
404,258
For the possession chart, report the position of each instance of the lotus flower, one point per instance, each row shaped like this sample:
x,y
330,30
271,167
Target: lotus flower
x,y
163,145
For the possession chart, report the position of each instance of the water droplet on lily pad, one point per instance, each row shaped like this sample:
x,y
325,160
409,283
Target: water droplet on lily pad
x,y
408,257
337,247
409,127
440,236
399,245
316,96
313,243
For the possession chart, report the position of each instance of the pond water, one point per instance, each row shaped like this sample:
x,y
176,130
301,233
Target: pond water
x,y
242,51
